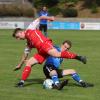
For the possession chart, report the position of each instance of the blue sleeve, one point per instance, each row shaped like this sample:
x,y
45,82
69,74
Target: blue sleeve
x,y
53,60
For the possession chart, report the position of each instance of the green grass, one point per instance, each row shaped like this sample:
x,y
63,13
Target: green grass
x,y
84,43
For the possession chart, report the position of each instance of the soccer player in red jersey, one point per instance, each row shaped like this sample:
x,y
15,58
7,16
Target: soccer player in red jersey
x,y
44,46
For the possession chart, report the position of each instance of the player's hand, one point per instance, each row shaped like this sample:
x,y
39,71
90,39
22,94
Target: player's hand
x,y
49,18
52,18
17,68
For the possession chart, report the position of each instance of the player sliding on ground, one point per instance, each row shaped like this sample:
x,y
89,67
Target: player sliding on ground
x,y
44,46
52,69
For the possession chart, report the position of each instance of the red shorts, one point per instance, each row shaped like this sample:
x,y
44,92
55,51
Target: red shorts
x,y
43,52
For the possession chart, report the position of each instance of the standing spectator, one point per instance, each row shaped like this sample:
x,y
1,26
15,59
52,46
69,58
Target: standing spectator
x,y
43,22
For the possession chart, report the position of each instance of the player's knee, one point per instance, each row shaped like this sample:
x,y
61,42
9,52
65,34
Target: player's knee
x,y
31,61
72,71
53,72
57,54
28,63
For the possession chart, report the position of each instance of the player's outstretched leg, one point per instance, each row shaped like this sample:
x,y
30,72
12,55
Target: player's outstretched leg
x,y
82,59
82,83
70,55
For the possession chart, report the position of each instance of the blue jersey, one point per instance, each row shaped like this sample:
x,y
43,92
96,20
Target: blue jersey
x,y
43,13
53,60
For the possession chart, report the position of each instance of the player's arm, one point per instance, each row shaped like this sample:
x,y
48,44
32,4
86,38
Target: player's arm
x,y
23,58
49,18
35,24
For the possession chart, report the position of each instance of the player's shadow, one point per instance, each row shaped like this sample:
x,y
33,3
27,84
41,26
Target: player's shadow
x,y
29,82
73,85
34,81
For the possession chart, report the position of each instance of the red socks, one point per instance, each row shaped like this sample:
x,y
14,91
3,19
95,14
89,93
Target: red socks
x,y
26,72
67,54
64,54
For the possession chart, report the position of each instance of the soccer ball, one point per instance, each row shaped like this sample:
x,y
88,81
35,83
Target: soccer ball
x,y
47,84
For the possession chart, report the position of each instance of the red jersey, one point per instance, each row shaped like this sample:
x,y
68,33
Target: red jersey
x,y
35,38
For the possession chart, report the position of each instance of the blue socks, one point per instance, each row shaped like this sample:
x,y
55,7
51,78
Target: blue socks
x,y
55,79
76,77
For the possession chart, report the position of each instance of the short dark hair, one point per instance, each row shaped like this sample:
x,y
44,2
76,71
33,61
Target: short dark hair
x,y
15,31
68,42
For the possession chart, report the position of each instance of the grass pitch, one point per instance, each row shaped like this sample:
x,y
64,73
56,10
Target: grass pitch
x,y
84,43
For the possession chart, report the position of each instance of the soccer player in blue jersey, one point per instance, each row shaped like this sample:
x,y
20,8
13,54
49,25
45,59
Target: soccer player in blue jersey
x,y
43,22
52,64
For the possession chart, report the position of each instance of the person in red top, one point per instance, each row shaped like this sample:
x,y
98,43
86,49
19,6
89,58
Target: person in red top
x,y
44,46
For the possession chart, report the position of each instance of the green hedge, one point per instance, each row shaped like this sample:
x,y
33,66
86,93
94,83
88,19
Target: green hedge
x,y
94,8
70,12
68,1
16,10
54,11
